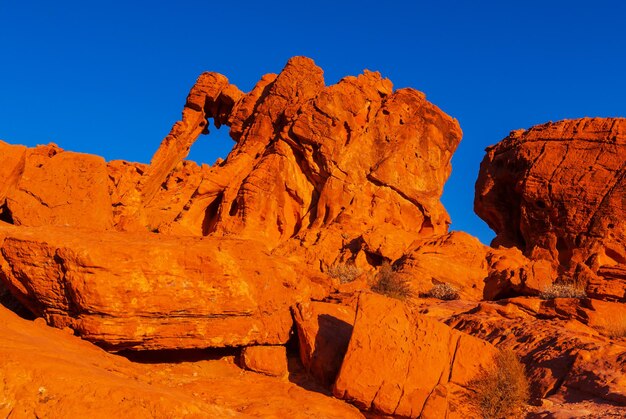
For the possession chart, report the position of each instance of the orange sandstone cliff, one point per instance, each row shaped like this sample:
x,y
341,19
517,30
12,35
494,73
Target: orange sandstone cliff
x,y
252,287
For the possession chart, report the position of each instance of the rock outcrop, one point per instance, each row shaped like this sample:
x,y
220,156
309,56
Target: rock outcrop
x,y
355,158
47,372
145,291
402,363
558,192
327,191
566,343
477,271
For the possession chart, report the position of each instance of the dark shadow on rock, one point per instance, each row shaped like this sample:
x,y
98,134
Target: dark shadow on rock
x,y
9,301
176,356
331,344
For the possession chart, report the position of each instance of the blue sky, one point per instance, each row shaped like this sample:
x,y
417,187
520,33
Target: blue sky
x,y
110,78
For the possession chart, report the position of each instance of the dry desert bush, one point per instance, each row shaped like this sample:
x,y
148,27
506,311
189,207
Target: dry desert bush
x,y
562,290
344,272
614,328
444,291
502,391
389,283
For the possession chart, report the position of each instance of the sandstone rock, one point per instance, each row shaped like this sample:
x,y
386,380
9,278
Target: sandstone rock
x,y
268,360
48,373
558,192
402,363
307,158
146,291
324,330
477,271
562,354
457,259
48,186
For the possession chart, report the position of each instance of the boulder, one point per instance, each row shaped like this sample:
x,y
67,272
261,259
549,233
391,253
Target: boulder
x,y
557,191
48,186
477,271
324,330
146,291
402,363
268,360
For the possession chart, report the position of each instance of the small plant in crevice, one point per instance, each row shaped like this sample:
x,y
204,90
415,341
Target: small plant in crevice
x,y
390,283
563,290
502,391
344,272
444,291
614,328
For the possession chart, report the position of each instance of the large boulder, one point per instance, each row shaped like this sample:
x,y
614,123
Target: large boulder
x,y
402,363
324,331
145,291
557,191
48,186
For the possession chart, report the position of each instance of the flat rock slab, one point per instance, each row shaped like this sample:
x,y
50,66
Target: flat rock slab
x,y
145,291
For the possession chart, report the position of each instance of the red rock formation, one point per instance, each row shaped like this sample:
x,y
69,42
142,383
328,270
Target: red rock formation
x,y
317,174
558,192
563,353
144,291
268,360
48,186
402,363
307,158
47,372
475,270
324,331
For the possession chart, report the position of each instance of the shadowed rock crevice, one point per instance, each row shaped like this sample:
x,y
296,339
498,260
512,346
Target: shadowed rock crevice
x,y
5,214
172,356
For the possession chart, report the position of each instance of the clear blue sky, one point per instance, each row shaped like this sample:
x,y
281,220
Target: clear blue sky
x,y
111,78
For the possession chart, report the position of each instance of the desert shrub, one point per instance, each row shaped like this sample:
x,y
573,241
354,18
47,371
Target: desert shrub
x,y
444,291
344,272
615,328
502,391
389,283
562,290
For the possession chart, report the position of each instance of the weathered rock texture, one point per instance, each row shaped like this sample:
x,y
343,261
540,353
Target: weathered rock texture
x,y
570,346
475,270
558,192
324,331
356,158
402,363
146,291
45,372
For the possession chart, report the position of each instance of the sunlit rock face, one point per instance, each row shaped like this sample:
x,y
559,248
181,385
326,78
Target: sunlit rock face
x,y
173,255
354,164
558,192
